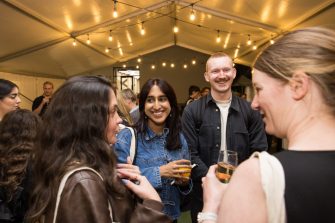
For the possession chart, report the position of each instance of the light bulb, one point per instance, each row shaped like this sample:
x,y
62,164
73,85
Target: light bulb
x,y
249,41
175,29
115,13
110,37
88,41
163,64
272,41
142,29
192,15
115,10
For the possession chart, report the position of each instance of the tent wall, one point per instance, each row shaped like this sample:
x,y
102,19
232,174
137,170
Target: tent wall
x,y
30,87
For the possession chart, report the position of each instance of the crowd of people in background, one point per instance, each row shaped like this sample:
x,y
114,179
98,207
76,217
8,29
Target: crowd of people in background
x,y
89,152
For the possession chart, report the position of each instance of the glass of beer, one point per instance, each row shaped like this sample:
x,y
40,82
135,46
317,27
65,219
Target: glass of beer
x,y
227,162
186,168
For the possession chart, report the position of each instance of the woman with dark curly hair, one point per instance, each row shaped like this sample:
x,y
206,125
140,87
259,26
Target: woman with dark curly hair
x,y
78,128
18,131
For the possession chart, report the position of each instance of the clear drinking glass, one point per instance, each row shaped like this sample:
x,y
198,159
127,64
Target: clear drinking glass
x,y
227,162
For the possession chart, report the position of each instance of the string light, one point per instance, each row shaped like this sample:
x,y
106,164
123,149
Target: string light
x,y
124,66
164,64
137,67
218,38
88,41
192,15
172,65
249,40
142,29
153,67
185,66
110,37
115,14
139,60
175,27
74,43
271,40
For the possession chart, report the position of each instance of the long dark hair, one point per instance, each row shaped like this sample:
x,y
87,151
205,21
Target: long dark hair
x,y
173,120
74,129
6,87
18,131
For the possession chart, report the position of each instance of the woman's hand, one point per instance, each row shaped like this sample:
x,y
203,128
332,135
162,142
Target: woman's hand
x,y
213,191
129,167
176,169
139,185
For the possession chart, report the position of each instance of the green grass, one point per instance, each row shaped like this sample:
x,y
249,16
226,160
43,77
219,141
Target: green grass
x,y
185,217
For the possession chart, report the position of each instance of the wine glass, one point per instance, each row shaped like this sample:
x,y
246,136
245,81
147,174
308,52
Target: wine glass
x,y
227,162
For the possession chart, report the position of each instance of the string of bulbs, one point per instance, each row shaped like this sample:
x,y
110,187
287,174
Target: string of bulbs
x,y
175,30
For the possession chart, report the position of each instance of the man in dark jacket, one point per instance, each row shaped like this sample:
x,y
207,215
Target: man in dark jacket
x,y
219,121
41,103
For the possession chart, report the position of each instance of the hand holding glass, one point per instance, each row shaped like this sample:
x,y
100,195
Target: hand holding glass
x,y
227,162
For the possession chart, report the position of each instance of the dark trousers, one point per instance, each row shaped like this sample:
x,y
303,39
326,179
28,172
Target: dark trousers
x,y
197,201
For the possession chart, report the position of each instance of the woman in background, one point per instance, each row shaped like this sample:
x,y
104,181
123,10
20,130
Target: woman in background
x,y
18,131
9,97
294,80
80,124
161,147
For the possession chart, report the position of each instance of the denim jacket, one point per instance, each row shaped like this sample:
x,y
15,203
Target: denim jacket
x,y
150,155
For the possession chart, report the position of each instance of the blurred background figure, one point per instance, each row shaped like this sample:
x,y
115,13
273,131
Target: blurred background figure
x,y
9,97
123,110
41,103
161,147
204,91
294,80
130,102
193,93
18,131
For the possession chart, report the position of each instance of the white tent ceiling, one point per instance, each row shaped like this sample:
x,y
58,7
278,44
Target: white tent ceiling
x,y
36,36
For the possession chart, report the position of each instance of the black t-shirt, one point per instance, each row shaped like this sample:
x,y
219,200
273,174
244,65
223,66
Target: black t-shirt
x,y
37,103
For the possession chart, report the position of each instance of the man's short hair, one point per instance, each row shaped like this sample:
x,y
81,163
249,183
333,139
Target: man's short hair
x,y
128,94
217,55
48,83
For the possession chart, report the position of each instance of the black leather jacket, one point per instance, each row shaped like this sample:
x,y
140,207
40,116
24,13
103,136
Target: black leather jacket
x,y
202,129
